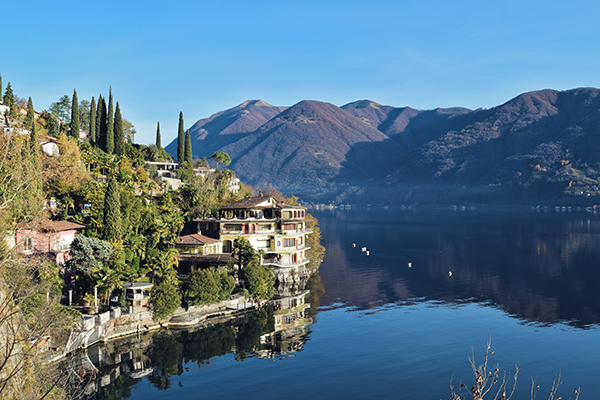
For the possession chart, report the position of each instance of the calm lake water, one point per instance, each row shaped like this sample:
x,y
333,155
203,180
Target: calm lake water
x,y
379,329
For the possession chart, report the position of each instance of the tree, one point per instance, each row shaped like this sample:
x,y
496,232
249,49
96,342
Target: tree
x,y
258,277
103,131
129,130
188,148
9,96
88,255
180,140
165,298
110,133
210,285
221,157
75,127
62,109
30,118
158,143
112,213
119,133
92,122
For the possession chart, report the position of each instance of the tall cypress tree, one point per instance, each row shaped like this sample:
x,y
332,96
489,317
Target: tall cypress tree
x,y
119,133
75,116
158,144
9,97
112,212
101,117
180,140
30,118
110,133
93,122
188,148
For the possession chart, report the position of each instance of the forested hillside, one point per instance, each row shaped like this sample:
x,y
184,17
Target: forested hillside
x,y
538,147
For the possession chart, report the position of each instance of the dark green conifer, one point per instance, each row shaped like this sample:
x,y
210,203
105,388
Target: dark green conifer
x,y
158,144
30,118
188,148
75,127
93,122
112,212
119,133
110,133
180,140
99,135
103,126
9,97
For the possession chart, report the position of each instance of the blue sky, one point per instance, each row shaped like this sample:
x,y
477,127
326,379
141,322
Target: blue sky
x,y
202,57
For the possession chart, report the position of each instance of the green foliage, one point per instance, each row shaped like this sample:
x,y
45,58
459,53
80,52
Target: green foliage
x,y
88,255
165,298
92,122
110,132
221,157
180,139
30,118
75,126
9,96
112,213
62,109
101,123
158,142
119,134
188,148
211,285
84,115
260,280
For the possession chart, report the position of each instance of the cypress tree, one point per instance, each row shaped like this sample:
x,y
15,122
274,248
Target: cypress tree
x,y
188,148
75,127
180,140
99,135
158,144
119,133
103,126
112,213
30,118
9,97
93,122
110,133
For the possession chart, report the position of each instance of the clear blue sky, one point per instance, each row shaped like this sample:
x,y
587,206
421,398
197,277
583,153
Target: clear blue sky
x,y
202,57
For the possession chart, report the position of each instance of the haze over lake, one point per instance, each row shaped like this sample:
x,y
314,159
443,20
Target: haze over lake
x,y
380,327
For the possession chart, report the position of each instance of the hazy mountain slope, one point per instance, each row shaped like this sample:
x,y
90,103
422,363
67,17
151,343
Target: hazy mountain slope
x,y
312,144
210,134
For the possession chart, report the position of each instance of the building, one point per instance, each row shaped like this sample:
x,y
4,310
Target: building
x,y
52,239
275,229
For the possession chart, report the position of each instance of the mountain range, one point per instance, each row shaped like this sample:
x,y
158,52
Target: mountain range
x,y
541,146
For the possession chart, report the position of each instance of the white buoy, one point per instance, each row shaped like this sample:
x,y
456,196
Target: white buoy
x,y
449,273
409,265
353,244
367,253
364,249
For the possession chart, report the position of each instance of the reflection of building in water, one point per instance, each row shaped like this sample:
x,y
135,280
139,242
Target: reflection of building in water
x,y
292,319
99,366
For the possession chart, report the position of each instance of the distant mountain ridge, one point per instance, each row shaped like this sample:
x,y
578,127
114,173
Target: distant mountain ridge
x,y
539,146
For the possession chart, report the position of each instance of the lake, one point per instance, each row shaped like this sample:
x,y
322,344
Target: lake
x,y
379,327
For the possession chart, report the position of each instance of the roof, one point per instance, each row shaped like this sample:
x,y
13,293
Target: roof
x,y
58,226
206,259
196,239
137,285
251,202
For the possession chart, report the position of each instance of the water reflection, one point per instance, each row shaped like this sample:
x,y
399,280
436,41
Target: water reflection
x,y
111,370
542,268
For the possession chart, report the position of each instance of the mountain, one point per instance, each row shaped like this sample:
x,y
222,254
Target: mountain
x,y
310,147
211,134
540,146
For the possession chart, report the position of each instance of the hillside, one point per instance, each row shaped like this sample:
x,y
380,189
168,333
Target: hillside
x,y
540,146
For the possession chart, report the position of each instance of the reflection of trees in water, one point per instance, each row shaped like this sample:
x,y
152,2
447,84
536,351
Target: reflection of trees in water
x,y
539,267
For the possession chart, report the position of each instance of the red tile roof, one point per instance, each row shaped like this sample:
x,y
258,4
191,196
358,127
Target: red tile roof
x,y
249,202
58,226
196,239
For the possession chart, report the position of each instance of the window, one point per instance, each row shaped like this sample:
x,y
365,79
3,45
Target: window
x,y
288,243
28,245
300,240
233,227
289,227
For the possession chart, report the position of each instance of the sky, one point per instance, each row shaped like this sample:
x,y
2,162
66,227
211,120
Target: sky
x,y
201,57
